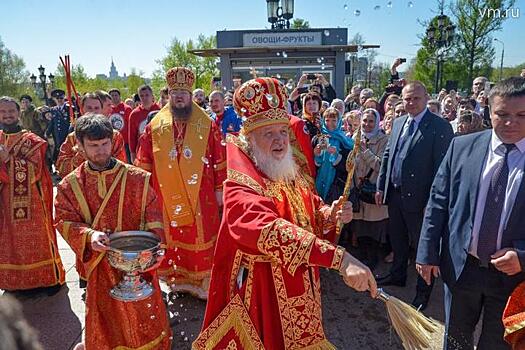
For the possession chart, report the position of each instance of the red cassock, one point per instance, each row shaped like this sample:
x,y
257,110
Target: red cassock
x,y
266,264
514,318
29,255
69,157
118,199
190,247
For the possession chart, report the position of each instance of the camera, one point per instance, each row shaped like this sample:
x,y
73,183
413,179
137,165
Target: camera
x,y
402,60
311,76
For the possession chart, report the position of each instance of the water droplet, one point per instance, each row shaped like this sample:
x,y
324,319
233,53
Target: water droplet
x,y
243,110
359,47
163,333
170,262
251,68
389,4
322,66
170,166
205,160
149,305
223,142
377,7
185,319
178,209
173,224
278,76
185,338
319,60
200,136
278,54
357,13
285,54
345,6
289,86
243,120
326,32
182,333
171,338
176,313
410,4
269,97
152,317
181,305
194,176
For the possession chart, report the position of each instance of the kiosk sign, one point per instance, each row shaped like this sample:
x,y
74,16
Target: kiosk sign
x,y
281,39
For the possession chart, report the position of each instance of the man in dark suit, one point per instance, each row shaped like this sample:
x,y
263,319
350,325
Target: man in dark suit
x,y
473,232
417,145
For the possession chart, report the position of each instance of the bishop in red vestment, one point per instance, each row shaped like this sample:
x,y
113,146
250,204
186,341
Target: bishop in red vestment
x,y
29,255
182,148
265,288
102,196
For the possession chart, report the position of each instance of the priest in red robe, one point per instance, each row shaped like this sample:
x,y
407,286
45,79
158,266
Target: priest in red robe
x,y
182,148
29,255
514,318
265,288
102,196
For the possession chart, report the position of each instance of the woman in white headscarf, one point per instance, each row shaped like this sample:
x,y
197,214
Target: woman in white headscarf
x,y
370,223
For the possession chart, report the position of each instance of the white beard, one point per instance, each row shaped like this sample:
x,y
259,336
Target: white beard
x,y
276,170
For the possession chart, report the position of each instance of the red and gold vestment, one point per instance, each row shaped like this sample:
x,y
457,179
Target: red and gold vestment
x,y
114,200
29,256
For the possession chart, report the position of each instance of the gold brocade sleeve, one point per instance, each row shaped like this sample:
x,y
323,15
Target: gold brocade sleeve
x,y
292,246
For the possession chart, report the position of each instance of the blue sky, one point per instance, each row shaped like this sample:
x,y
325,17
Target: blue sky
x,y
137,32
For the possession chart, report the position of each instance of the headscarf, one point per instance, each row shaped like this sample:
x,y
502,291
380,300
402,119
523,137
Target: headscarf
x,y
376,130
326,173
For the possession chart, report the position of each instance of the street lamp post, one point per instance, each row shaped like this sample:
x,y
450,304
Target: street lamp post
x,y
279,13
41,86
502,55
440,36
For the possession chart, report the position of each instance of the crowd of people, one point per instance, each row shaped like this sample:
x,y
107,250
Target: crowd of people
x,y
245,190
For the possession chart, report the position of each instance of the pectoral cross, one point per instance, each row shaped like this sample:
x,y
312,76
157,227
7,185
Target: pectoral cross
x,y
198,126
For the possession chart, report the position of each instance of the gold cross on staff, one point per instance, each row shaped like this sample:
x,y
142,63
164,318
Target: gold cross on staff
x,y
253,72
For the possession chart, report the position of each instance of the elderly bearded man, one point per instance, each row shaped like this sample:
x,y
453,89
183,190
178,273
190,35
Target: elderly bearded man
x,y
28,248
102,196
182,148
265,288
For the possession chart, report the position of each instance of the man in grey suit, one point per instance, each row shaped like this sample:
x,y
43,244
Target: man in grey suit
x,y
473,232
417,145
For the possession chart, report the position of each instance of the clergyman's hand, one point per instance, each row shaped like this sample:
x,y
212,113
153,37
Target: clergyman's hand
x,y
357,275
99,241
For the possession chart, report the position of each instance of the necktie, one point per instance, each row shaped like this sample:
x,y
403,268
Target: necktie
x,y
488,232
402,149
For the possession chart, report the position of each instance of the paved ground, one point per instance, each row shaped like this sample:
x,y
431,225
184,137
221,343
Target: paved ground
x,y
352,320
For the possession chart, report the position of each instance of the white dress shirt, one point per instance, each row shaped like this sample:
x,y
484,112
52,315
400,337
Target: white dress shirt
x,y
516,163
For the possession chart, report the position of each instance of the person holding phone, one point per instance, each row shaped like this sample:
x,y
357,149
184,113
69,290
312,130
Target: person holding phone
x,y
318,84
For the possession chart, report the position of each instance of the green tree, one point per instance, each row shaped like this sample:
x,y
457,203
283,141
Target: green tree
x,y
476,20
13,76
78,75
299,23
507,72
205,68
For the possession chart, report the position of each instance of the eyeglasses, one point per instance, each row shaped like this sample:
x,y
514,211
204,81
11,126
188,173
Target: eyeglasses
x,y
178,92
